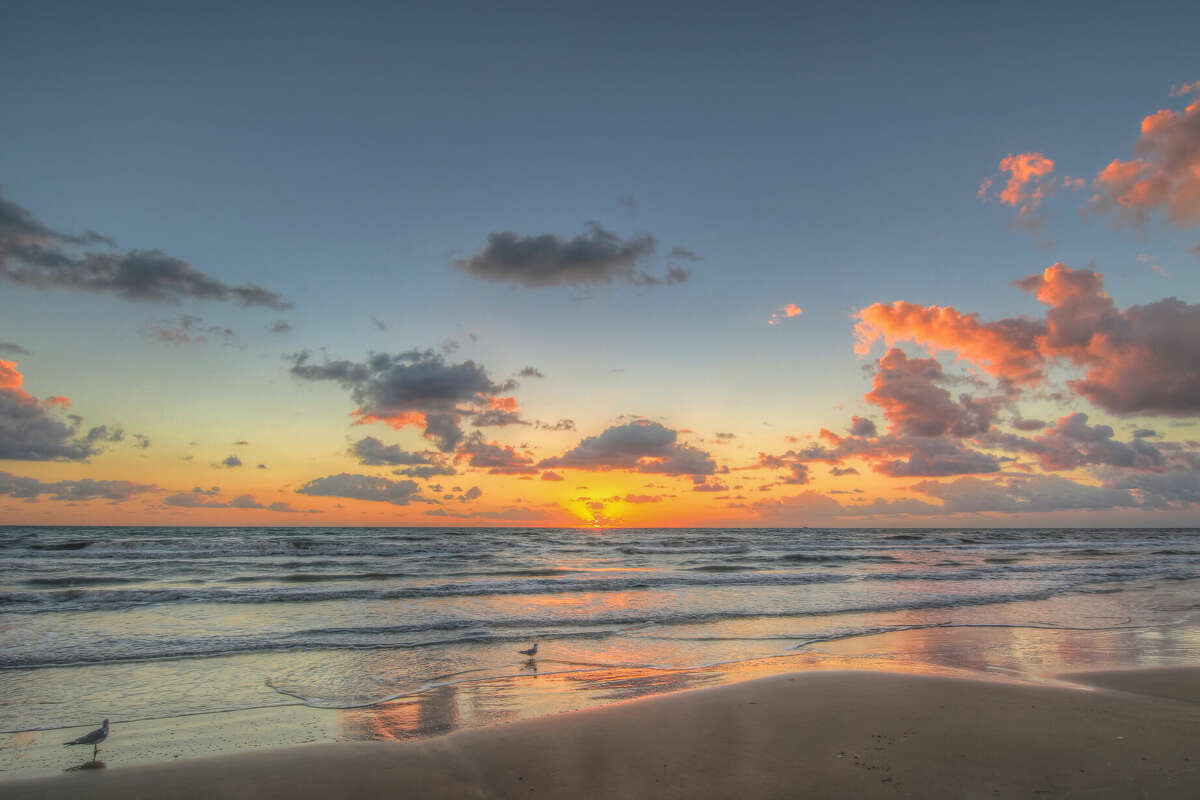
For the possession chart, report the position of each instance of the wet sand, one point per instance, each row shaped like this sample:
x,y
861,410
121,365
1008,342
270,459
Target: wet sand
x,y
816,735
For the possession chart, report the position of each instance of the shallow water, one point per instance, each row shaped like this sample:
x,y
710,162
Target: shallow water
x,y
141,623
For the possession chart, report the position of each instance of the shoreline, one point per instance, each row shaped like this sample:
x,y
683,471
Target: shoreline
x,y
832,733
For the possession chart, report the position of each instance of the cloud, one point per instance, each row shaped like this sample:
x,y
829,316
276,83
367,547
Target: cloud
x,y
13,349
594,257
280,326
411,388
861,426
561,425
364,487
1006,348
1025,188
500,411
1164,174
30,430
372,452
425,473
230,462
1013,495
33,255
1139,360
496,458
639,446
643,498
199,499
785,312
515,513
551,476
1072,443
85,489
189,330
915,404
894,456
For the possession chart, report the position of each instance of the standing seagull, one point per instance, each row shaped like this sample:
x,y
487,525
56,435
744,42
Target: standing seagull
x,y
94,739
530,652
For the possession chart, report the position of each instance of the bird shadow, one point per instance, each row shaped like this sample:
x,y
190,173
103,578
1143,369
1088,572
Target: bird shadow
x,y
93,764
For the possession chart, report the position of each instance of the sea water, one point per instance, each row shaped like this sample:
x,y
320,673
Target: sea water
x,y
153,623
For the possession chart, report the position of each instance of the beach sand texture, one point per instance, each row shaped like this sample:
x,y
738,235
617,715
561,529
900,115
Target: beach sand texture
x,y
813,735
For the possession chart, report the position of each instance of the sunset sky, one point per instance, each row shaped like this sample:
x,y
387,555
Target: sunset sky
x,y
575,264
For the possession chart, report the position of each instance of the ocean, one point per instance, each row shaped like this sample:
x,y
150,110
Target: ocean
x,y
163,623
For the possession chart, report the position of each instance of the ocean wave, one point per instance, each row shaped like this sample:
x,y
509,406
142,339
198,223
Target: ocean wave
x,y
89,599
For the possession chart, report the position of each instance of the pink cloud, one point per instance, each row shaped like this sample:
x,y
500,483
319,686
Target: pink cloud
x,y
1163,175
785,312
1138,360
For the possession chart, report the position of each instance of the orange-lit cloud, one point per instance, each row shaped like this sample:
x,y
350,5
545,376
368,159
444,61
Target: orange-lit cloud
x,y
31,431
1027,186
398,420
1142,359
1164,174
10,376
1005,348
785,312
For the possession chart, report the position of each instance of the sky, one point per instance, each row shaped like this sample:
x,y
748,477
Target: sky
x,y
551,264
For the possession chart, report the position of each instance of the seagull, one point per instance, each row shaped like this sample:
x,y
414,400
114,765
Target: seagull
x,y
530,652
94,739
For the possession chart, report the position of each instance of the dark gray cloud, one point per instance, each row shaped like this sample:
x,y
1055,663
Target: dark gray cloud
x,y
515,513
1073,443
280,326
189,330
85,489
497,417
594,257
530,372
31,430
141,442
639,446
496,458
425,472
372,452
230,462
1158,489
34,255
364,487
1019,494
561,425
861,426
895,456
417,387
199,499
8,348
101,433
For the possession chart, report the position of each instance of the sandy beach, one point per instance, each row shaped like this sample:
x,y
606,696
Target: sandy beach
x,y
820,734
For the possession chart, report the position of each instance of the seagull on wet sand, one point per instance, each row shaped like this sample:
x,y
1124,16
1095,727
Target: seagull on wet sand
x,y
530,652
94,739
